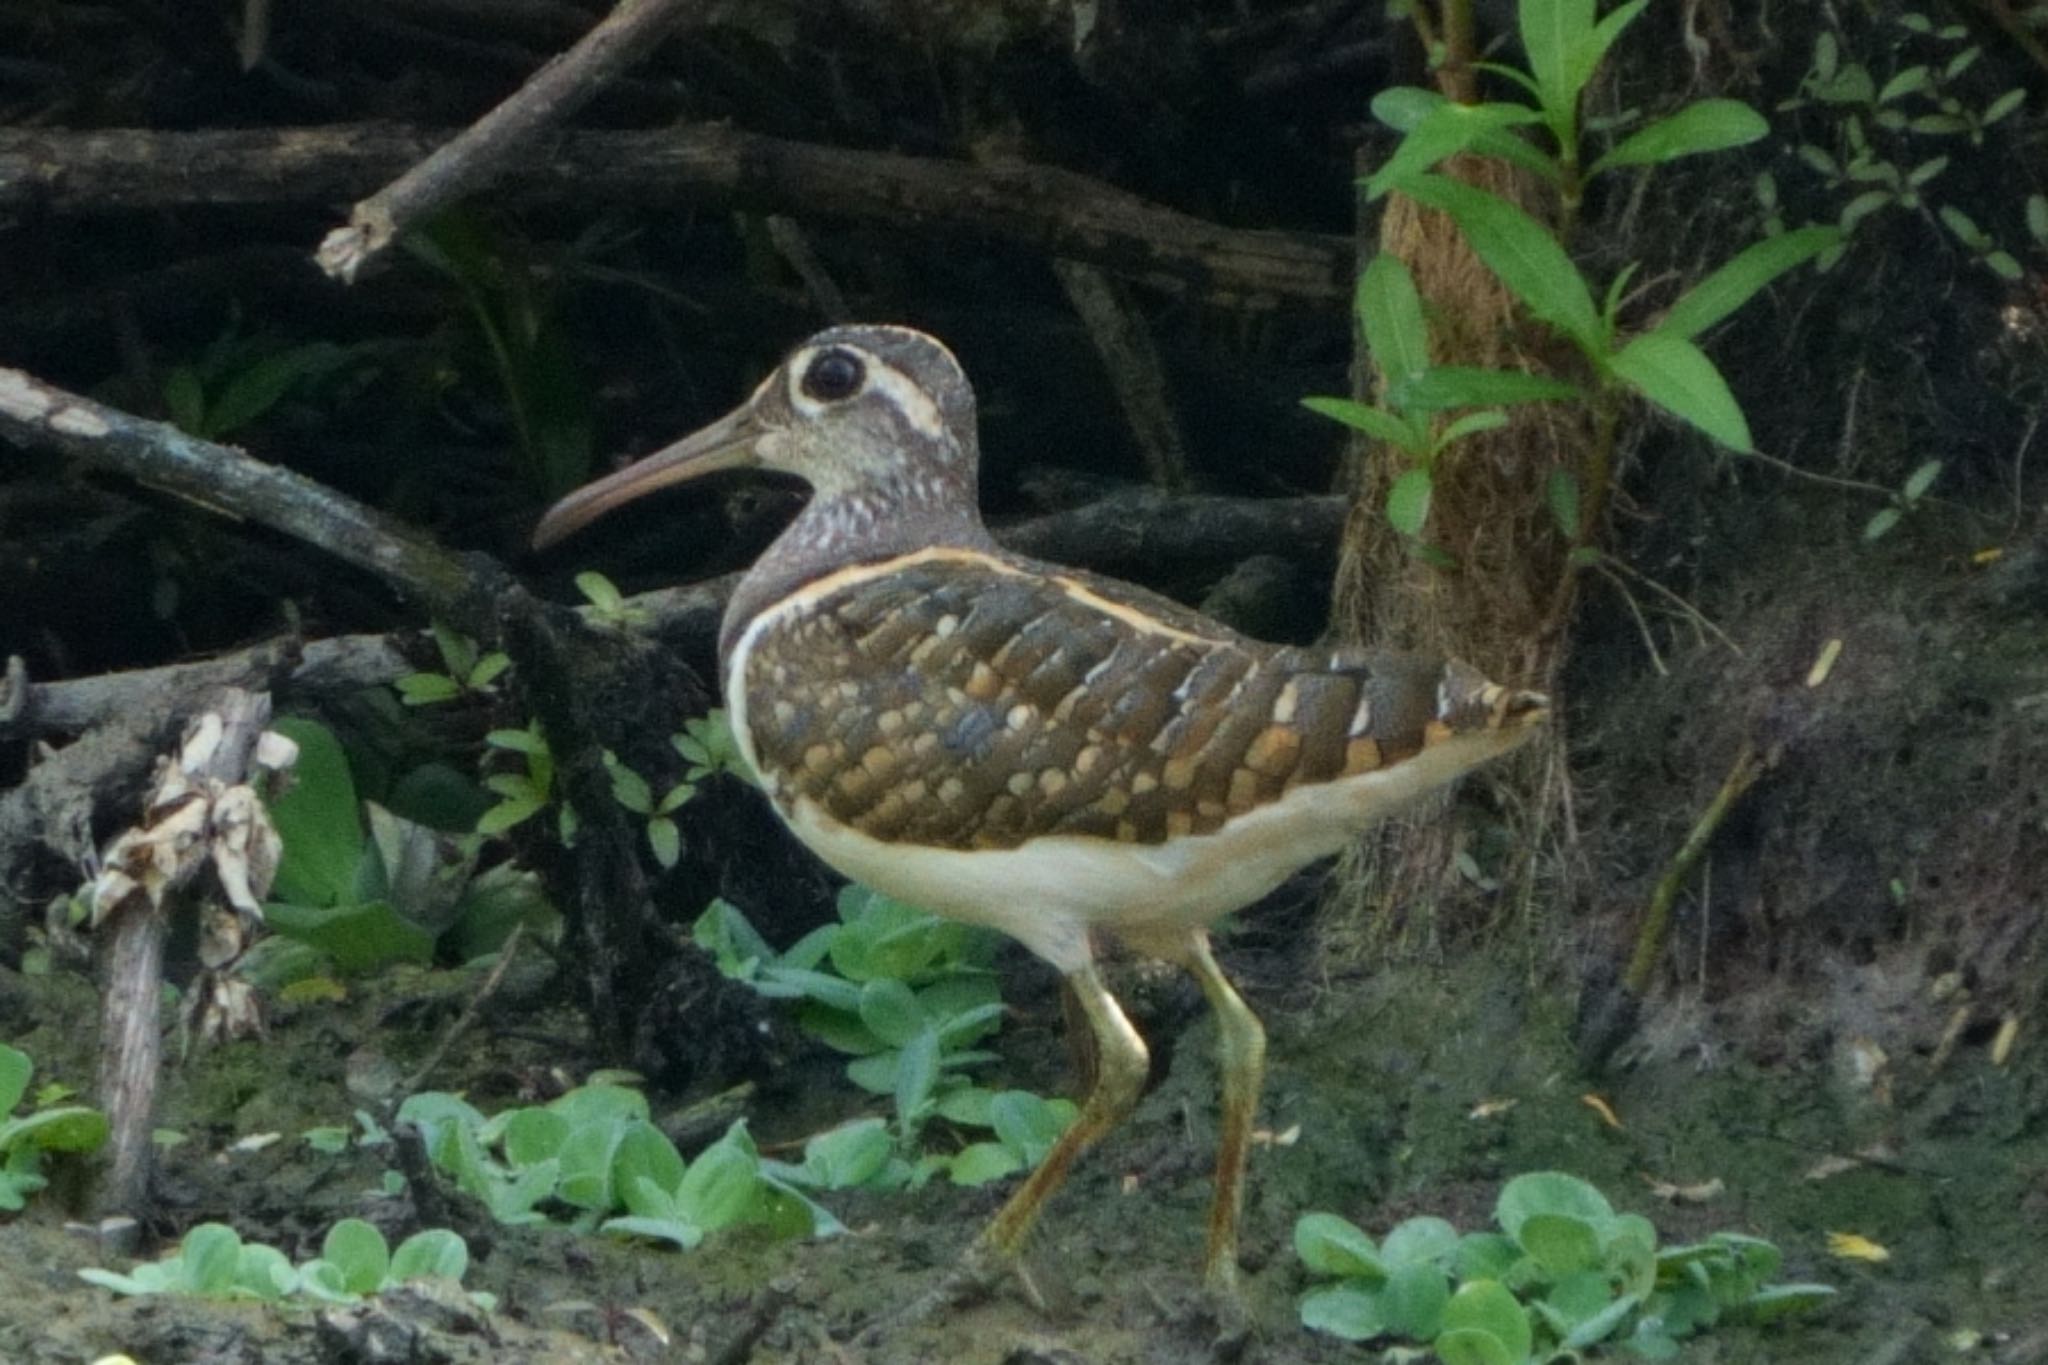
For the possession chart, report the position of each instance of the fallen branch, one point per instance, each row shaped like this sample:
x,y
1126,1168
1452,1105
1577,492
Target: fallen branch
x,y
480,152
1047,209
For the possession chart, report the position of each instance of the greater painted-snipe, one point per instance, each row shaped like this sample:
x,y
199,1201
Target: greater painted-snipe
x,y
1028,747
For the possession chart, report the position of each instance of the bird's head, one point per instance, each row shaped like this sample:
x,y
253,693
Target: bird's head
x,y
869,414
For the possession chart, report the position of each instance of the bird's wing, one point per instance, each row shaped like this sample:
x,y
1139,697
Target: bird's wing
x,y
965,699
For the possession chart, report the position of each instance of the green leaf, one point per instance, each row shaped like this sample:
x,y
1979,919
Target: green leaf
x,y
1706,126
317,818
1677,376
425,689
15,1070
1414,1298
359,1253
1909,81
723,1184
360,938
436,1252
210,1255
644,1152
980,1162
890,1010
599,591
488,669
1329,1245
534,1135
1390,315
849,1155
1348,1310
1521,251
1594,1328
1549,1192
629,789
262,1272
1447,129
1408,502
527,742
1377,423
1486,1256
1471,424
1561,1244
185,398
1418,1240
917,1072
1731,286
70,1128
1554,33
1469,386
1487,1307
1920,480
1029,1123
1881,522
257,389
1473,1346
506,814
1588,55
664,840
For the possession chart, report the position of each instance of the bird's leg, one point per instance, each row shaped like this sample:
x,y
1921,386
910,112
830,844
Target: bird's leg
x,y
1120,1069
1241,1057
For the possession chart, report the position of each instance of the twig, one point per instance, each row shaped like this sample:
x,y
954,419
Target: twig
x,y
1742,774
1134,370
468,1017
1042,208
480,152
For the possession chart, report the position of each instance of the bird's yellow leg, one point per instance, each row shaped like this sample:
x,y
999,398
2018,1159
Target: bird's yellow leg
x,y
1241,1057
1120,1068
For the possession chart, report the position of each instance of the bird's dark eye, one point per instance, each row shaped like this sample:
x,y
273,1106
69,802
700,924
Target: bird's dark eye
x,y
834,375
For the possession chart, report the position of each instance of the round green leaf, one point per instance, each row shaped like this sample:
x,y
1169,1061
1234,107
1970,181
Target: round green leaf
x,y
425,1255
1422,1240
980,1162
1472,1346
1345,1310
1561,1245
358,1254
1549,1192
1413,1300
210,1255
1329,1245
1488,1307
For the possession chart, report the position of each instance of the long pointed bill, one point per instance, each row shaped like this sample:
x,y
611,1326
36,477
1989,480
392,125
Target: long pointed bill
x,y
727,443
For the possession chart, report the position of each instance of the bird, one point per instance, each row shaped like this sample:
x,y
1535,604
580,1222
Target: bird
x,y
1055,755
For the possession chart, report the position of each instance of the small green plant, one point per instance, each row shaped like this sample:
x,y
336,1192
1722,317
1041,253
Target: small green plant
x,y
1877,142
1660,363
469,673
356,900
595,1158
608,605
51,1126
708,746
213,1262
1904,501
1565,1274
531,354
907,996
237,379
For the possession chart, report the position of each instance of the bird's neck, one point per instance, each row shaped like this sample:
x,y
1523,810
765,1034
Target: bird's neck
x,y
858,525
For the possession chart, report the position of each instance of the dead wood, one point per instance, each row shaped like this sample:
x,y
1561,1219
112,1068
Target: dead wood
x,y
480,153
1044,208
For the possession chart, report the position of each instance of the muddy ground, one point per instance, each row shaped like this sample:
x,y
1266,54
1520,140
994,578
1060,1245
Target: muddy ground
x,y
1380,1076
